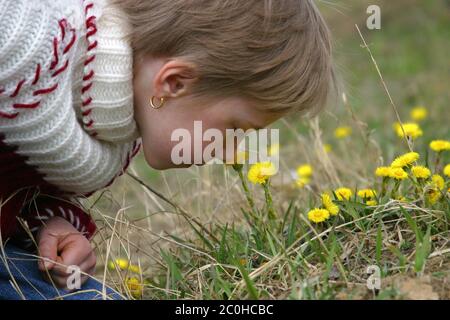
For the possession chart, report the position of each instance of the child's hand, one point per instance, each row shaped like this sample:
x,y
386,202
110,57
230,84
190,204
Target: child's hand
x,y
58,241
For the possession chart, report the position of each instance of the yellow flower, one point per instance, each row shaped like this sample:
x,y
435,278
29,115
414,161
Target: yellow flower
x,y
405,160
411,129
437,184
343,193
122,264
274,149
440,145
305,171
398,173
302,182
367,193
332,208
260,172
419,113
318,215
342,132
438,181
433,195
327,147
372,202
135,287
447,170
420,172
383,171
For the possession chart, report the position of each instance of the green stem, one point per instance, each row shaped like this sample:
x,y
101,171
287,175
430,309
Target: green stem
x,y
248,195
269,201
395,189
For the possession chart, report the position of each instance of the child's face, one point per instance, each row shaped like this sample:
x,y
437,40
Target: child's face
x,y
160,78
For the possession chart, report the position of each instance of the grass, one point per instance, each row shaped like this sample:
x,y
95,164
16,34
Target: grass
x,y
207,233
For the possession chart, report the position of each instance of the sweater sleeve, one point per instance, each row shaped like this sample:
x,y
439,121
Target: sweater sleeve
x,y
35,47
43,208
42,56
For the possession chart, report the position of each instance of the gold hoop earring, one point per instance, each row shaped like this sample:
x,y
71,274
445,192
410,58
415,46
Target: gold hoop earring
x,y
161,103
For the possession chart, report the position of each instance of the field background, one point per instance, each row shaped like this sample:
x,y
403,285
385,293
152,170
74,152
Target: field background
x,y
412,51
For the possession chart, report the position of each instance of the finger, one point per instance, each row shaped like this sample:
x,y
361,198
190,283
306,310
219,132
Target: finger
x,y
48,249
86,267
73,253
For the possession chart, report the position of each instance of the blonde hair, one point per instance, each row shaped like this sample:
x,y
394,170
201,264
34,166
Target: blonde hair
x,y
277,52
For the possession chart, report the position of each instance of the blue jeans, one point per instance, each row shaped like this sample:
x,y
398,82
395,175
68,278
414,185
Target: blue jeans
x,y
21,279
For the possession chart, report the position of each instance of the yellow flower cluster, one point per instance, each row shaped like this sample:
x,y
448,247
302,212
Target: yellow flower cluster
x,y
418,113
329,205
368,196
124,265
304,174
383,172
342,132
318,215
405,160
396,171
343,193
135,287
261,172
412,130
438,182
420,172
436,186
398,174
440,145
447,170
367,193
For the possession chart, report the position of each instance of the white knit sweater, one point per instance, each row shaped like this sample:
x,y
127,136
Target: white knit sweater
x,y
66,98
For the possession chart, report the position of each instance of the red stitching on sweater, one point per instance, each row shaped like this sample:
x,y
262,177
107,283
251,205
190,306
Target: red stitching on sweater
x,y
26,105
91,32
55,54
89,60
37,74
18,87
86,88
62,25
92,45
45,91
88,7
8,115
72,41
87,102
90,22
64,67
88,76
86,113
90,123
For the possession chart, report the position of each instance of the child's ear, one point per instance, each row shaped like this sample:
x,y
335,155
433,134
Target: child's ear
x,y
175,79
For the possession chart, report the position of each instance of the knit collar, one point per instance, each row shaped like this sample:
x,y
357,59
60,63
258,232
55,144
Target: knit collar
x,y
107,92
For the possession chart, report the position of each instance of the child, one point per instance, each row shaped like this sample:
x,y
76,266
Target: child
x,y
83,83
